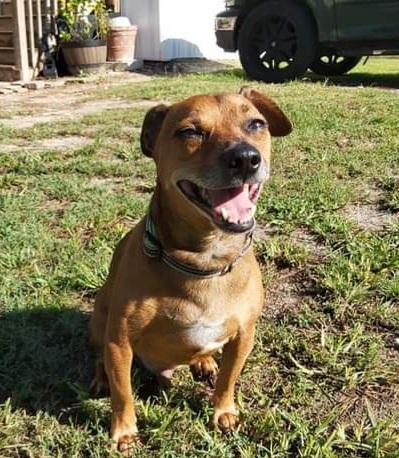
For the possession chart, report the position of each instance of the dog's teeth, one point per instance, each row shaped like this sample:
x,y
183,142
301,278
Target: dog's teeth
x,y
254,191
225,214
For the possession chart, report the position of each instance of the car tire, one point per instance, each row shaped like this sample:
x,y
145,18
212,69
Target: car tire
x,y
328,63
277,41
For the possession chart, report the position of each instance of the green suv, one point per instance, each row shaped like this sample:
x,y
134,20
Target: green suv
x,y
279,40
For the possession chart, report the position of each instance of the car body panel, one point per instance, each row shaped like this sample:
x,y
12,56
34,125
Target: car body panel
x,y
361,25
324,15
359,20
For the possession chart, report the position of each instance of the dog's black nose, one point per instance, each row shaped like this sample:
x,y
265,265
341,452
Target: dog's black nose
x,y
243,159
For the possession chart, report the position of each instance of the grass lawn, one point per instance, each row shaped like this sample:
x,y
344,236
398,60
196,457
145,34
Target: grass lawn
x,y
323,379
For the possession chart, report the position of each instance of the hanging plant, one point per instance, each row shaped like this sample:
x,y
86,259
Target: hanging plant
x,y
81,20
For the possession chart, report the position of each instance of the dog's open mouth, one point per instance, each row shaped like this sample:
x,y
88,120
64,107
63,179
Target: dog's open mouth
x,y
231,209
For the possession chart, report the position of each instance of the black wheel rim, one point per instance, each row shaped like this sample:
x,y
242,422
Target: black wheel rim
x,y
275,42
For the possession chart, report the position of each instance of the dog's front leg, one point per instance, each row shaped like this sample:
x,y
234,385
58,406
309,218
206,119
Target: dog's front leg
x,y
235,353
118,363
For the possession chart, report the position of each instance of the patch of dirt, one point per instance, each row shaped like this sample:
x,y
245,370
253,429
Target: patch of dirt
x,y
53,205
372,194
144,188
369,213
74,110
109,183
56,143
369,216
287,290
300,236
318,251
66,102
264,231
381,401
289,287
354,406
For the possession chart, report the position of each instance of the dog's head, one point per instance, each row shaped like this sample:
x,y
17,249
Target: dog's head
x,y
213,153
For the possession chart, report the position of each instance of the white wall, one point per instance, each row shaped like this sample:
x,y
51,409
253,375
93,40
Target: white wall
x,y
144,14
170,29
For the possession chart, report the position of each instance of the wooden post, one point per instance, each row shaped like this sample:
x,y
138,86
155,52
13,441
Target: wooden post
x,y
20,42
54,14
39,20
48,16
55,8
31,34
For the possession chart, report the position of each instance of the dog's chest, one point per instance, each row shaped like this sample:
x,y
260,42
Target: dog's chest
x,y
205,337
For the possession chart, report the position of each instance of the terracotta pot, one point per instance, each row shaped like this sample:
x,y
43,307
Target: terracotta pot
x,y
121,43
88,56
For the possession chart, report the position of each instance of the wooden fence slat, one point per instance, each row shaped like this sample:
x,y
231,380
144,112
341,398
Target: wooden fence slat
x,y
21,44
48,15
31,33
39,20
55,8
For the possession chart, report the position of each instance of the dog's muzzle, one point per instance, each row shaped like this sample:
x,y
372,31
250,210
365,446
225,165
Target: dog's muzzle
x,y
228,192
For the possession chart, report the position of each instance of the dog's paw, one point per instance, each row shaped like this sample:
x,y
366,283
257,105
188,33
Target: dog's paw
x,y
226,421
205,369
127,444
125,440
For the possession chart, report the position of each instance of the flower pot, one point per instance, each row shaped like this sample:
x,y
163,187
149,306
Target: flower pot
x,y
88,56
121,43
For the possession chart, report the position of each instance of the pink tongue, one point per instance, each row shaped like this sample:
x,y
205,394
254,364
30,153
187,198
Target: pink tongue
x,y
235,201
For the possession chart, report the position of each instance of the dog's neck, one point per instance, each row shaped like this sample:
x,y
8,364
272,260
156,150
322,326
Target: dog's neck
x,y
197,243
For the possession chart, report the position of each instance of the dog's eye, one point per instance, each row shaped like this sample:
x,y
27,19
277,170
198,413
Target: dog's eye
x,y
191,132
256,124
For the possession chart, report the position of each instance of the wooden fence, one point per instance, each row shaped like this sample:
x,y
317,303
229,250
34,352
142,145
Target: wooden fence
x,y
30,19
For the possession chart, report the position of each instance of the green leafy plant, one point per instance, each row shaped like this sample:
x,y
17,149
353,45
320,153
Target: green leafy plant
x,y
82,20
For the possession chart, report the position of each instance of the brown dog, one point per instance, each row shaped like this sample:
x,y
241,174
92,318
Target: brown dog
x,y
184,282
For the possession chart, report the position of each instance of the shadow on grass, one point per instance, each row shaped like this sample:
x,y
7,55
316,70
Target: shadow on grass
x,y
46,363
43,353
388,80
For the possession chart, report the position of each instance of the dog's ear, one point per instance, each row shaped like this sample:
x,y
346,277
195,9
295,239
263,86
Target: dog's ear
x,y
151,127
279,124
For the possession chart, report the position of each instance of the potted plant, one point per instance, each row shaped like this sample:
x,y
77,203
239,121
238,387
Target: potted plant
x,y
82,26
